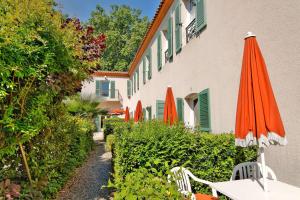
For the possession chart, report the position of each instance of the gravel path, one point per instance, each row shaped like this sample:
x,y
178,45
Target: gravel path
x,y
87,182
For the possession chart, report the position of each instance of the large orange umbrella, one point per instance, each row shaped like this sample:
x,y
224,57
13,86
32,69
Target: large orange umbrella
x,y
258,120
127,116
138,115
170,114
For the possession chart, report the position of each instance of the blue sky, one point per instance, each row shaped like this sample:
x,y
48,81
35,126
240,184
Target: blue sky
x,y
82,8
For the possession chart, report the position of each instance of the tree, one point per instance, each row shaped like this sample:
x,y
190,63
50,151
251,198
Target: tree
x,y
42,59
124,29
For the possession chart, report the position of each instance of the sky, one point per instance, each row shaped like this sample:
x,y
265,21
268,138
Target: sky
x,y
82,8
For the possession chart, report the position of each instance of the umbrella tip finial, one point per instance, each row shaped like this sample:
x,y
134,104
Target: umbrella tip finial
x,y
250,34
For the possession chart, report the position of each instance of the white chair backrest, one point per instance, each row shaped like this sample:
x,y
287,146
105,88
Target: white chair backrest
x,y
248,170
181,177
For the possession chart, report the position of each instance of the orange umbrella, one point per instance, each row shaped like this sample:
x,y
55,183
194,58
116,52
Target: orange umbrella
x,y
127,116
170,114
116,112
138,115
258,119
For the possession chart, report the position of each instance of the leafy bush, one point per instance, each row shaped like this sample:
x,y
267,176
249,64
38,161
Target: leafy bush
x,y
109,125
158,148
83,107
110,140
141,184
52,155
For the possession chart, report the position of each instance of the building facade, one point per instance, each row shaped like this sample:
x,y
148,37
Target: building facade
x,y
196,47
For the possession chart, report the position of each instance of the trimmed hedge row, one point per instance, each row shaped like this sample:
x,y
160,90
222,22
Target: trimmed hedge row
x,y
158,148
109,124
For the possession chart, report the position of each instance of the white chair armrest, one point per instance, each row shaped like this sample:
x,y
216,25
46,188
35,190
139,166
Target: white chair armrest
x,y
214,192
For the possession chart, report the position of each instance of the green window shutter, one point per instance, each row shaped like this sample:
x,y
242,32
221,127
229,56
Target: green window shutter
x,y
138,78
98,88
112,89
149,64
159,52
128,88
149,110
144,114
200,15
170,38
144,70
131,83
204,110
134,81
160,105
180,109
178,25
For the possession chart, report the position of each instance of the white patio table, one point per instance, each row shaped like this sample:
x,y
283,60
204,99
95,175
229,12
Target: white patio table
x,y
251,189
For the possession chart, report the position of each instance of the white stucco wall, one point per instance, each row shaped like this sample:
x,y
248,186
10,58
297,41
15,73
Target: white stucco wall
x,y
89,87
213,60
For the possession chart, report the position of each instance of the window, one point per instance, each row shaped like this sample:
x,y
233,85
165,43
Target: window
x,y
102,88
204,110
160,106
180,109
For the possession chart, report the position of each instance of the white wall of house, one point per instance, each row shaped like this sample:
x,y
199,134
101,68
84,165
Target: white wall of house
x,y
213,60
89,88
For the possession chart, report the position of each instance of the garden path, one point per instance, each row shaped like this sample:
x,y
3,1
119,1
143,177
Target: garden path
x,y
90,177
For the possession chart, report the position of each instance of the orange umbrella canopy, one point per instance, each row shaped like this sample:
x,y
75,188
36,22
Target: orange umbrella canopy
x,y
258,119
127,116
116,112
138,115
170,114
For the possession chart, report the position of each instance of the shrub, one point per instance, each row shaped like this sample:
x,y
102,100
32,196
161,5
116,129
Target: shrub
x,y
110,140
158,148
52,155
141,184
110,123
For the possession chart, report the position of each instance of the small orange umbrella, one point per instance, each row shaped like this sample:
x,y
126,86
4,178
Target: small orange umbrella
x,y
138,115
127,116
170,114
258,119
116,112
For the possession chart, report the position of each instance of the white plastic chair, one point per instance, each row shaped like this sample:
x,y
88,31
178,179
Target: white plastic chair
x,y
181,177
249,170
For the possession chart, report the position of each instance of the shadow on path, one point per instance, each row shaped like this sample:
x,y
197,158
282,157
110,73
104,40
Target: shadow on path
x,y
88,180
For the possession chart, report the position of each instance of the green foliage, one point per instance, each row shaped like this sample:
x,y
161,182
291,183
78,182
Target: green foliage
x,y
158,148
141,184
124,29
109,124
82,107
110,141
53,154
40,64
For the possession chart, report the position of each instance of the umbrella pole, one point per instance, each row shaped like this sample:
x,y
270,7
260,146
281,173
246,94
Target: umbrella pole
x,y
263,163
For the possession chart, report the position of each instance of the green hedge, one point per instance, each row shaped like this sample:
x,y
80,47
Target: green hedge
x,y
109,124
158,148
141,184
52,155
